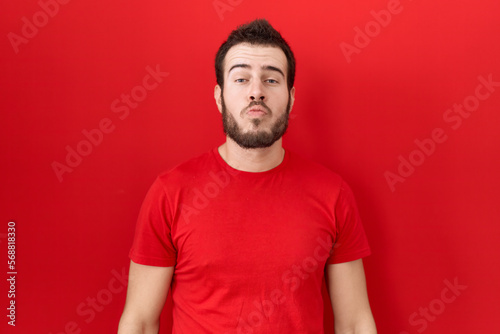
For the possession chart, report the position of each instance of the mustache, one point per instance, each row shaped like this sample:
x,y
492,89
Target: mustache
x,y
258,103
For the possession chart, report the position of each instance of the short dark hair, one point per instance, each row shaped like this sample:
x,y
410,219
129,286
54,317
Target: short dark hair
x,y
257,32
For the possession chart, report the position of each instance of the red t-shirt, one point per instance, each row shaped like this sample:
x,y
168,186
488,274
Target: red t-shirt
x,y
249,249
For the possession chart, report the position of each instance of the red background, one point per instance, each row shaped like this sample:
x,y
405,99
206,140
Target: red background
x,y
356,117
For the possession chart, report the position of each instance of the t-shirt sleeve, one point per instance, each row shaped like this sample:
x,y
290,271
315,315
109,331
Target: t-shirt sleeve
x,y
152,241
350,241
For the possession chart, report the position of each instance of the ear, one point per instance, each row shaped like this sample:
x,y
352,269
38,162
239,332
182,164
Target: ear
x,y
292,97
218,97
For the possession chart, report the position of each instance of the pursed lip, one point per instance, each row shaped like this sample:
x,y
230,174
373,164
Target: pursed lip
x,y
257,110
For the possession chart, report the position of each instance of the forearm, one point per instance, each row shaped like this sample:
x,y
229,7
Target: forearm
x,y
364,330
362,326
128,325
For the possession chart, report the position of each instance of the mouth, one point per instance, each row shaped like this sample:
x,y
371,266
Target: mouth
x,y
256,111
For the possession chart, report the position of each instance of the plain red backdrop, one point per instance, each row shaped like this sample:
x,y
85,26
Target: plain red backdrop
x,y
359,112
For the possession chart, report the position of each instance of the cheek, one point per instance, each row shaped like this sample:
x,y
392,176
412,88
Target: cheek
x,y
235,93
282,99
233,99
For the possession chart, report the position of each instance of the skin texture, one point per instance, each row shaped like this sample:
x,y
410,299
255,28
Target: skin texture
x,y
250,129
347,288
251,74
255,82
146,294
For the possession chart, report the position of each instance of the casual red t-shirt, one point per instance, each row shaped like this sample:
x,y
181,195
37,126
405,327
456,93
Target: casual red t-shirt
x,y
249,249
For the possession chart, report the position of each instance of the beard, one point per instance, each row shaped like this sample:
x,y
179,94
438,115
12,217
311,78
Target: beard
x,y
260,138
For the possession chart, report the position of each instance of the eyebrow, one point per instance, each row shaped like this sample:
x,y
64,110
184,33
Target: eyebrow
x,y
264,67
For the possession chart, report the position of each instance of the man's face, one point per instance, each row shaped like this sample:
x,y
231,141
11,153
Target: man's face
x,y
255,102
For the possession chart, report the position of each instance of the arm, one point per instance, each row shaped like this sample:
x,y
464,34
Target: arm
x,y
146,294
347,288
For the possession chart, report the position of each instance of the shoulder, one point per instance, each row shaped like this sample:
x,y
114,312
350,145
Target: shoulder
x,y
189,170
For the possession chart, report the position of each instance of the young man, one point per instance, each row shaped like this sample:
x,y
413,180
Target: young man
x,y
246,232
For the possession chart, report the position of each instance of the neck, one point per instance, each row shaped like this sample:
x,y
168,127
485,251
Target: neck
x,y
252,160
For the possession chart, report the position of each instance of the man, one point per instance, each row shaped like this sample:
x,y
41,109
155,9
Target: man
x,y
246,232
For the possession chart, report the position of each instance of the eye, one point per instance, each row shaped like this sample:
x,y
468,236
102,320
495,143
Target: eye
x,y
239,80
272,81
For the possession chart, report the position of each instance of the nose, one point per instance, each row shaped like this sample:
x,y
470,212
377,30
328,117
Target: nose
x,y
256,91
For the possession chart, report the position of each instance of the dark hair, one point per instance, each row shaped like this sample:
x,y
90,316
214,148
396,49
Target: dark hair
x,y
257,32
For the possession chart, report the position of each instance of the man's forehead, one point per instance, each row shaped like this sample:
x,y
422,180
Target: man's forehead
x,y
245,53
